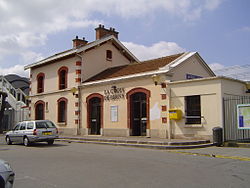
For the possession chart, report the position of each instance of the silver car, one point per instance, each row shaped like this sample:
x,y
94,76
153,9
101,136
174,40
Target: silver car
x,y
27,132
7,175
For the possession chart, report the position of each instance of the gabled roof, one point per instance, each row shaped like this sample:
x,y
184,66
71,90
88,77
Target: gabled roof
x,y
147,68
135,68
88,46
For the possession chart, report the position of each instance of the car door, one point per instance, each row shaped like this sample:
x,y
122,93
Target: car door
x,y
21,132
14,133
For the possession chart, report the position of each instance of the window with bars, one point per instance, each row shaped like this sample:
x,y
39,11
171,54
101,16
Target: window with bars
x,y
193,109
62,110
63,77
40,83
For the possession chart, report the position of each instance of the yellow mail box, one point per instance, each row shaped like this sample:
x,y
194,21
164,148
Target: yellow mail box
x,y
175,114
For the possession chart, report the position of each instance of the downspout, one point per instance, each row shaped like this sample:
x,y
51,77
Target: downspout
x,y
170,121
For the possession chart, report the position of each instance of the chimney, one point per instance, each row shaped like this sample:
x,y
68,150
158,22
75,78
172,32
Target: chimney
x,y
101,32
79,42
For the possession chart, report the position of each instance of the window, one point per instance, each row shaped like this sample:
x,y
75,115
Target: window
x,y
16,127
30,125
22,127
63,77
62,110
109,55
193,109
39,110
40,83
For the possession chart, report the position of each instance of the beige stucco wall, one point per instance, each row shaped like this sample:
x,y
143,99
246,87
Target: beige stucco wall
x,y
51,110
51,75
192,65
211,107
94,61
120,128
212,92
233,88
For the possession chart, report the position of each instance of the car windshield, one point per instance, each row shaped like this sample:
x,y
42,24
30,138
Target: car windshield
x,y
44,125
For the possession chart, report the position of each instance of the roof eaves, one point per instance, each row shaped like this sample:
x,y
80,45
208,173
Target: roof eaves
x,y
51,58
177,61
79,50
205,64
150,73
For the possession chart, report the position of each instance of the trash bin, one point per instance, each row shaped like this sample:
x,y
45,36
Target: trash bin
x,y
217,136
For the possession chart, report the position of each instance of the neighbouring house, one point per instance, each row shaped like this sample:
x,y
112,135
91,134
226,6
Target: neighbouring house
x,y
16,88
101,88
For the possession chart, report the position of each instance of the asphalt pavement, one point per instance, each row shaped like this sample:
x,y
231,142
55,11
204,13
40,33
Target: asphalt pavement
x,y
64,165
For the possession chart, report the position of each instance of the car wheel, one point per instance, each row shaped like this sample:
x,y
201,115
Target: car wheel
x,y
26,141
50,142
8,141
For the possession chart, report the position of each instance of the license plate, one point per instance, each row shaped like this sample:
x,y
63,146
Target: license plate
x,y
47,133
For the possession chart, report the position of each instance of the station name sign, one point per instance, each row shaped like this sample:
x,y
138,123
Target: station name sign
x,y
114,93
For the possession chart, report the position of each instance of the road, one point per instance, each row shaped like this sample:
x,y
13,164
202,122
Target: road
x,y
77,165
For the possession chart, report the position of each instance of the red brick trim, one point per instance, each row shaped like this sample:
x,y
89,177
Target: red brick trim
x,y
164,108
66,105
129,111
78,63
89,108
78,80
164,120
37,103
163,96
78,71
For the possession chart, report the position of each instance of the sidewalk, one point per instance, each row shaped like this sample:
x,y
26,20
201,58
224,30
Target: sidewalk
x,y
139,141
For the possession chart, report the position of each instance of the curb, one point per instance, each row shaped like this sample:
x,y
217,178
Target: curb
x,y
198,142
137,144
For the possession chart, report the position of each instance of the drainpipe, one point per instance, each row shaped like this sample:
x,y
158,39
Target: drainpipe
x,y
170,121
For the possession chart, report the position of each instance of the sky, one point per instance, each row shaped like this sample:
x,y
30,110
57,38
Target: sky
x,y
218,29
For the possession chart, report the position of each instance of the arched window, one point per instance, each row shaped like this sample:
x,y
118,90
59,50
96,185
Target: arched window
x,y
109,55
62,110
40,82
39,110
63,77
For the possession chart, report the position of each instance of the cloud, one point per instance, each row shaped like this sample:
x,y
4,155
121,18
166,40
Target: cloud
x,y
25,24
17,69
216,66
246,29
159,49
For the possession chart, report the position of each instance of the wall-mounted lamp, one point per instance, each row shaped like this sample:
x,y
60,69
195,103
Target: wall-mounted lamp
x,y
248,87
73,91
156,79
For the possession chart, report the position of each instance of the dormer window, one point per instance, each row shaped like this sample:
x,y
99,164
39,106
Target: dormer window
x,y
109,55
63,77
40,82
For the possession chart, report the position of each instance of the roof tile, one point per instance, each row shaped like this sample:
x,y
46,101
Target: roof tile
x,y
134,68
